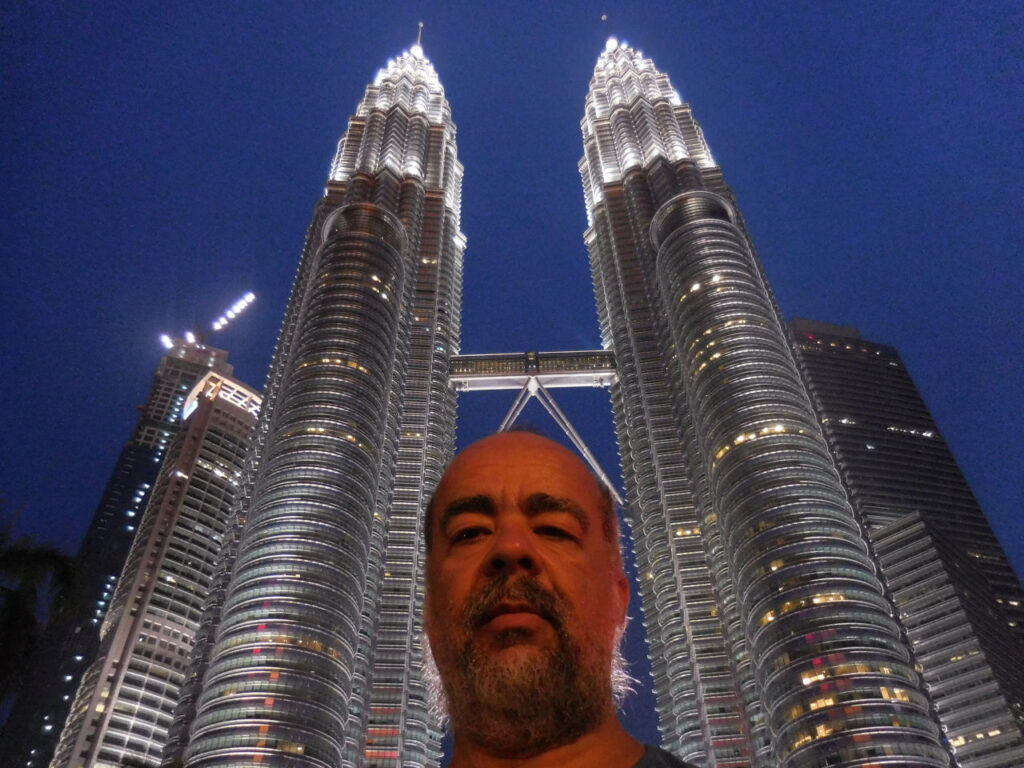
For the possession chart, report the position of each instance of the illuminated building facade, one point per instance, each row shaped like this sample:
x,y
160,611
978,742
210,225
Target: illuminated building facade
x,y
891,454
124,704
31,733
970,662
316,660
772,641
953,587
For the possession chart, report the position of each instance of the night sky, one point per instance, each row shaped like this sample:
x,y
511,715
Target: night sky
x,y
161,159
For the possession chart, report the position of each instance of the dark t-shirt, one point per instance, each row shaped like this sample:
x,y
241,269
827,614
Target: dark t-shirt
x,y
659,758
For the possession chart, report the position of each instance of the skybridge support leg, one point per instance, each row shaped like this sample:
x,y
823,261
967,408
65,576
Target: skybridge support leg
x,y
533,388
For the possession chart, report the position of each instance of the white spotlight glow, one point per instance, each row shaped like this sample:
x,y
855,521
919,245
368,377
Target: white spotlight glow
x,y
234,311
611,44
166,341
190,337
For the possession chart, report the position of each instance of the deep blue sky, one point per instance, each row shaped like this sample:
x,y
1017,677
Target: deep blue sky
x,y
161,159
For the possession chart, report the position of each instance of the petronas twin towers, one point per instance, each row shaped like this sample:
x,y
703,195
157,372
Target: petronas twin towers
x,y
772,640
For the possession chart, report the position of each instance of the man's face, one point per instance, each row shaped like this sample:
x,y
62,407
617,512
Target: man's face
x,y
525,594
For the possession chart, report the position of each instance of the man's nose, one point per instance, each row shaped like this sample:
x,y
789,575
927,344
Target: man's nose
x,y
511,551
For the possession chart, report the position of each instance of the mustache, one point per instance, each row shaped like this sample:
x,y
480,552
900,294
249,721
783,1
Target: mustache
x,y
546,604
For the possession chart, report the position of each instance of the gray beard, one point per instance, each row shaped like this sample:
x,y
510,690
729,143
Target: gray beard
x,y
540,700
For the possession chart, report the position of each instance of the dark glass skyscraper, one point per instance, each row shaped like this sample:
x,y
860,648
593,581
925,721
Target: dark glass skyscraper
x,y
956,594
30,735
316,660
891,453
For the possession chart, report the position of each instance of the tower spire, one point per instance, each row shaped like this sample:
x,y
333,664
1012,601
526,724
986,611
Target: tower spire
x,y
419,34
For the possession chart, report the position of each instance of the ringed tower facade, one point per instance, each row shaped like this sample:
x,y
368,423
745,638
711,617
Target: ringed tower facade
x,y
316,655
772,641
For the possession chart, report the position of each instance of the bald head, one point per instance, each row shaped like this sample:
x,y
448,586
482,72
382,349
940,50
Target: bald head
x,y
514,444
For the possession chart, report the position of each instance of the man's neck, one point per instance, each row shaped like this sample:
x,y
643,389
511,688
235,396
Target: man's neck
x,y
609,746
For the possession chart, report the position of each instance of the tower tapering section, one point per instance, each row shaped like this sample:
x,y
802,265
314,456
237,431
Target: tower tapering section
x,y
122,709
315,661
772,641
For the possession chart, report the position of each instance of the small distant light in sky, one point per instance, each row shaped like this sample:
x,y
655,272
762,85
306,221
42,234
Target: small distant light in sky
x,y
234,311
604,17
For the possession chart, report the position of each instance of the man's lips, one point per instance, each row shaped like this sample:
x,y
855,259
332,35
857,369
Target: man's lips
x,y
513,610
523,598
504,608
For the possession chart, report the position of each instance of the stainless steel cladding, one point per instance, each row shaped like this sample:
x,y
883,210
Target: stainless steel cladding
x,y
317,657
772,641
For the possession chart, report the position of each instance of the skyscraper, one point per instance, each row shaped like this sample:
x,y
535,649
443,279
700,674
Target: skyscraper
x,y
956,594
771,637
30,735
124,704
891,454
316,659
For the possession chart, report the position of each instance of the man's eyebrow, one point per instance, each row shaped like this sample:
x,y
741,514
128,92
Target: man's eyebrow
x,y
543,502
481,504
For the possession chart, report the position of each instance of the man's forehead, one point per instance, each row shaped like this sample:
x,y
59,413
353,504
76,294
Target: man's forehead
x,y
517,462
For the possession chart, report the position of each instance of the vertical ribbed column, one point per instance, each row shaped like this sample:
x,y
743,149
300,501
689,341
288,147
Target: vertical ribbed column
x,y
316,658
409,147
640,143
199,659
834,676
281,669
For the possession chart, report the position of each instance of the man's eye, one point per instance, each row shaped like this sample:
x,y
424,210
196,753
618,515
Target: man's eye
x,y
468,534
554,532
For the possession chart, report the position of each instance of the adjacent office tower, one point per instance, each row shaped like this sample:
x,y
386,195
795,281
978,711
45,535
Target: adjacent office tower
x,y
124,704
316,661
957,595
890,452
65,652
771,638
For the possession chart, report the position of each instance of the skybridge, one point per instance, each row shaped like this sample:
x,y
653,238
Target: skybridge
x,y
533,374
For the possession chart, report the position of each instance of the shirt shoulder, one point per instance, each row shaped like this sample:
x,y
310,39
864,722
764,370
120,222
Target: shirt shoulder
x,y
655,757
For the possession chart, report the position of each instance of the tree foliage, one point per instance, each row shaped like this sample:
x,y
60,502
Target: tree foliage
x,y
38,584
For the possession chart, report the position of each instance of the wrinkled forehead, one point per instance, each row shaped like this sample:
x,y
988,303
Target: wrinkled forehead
x,y
512,466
